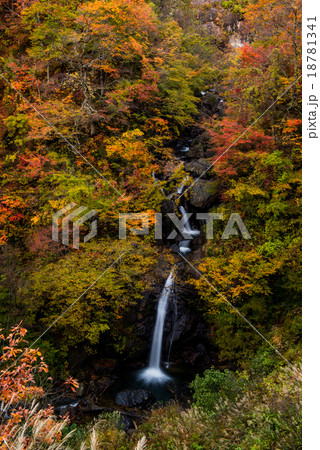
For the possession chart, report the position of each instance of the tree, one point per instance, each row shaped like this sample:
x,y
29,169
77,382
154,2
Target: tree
x,y
55,286
22,421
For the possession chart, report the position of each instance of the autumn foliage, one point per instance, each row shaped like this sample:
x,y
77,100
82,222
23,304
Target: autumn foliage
x,y
95,96
23,421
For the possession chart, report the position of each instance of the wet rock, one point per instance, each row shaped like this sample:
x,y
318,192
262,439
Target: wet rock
x,y
97,386
202,194
212,104
198,168
91,386
200,145
87,405
183,324
139,398
197,150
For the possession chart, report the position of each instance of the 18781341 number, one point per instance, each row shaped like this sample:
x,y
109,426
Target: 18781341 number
x,y
311,47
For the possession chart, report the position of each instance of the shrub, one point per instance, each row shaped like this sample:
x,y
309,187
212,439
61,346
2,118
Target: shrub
x,y
215,387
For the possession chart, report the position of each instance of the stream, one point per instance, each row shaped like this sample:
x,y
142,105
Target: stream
x,y
162,379
138,387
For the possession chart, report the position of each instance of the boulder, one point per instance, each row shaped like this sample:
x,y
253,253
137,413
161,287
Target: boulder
x,y
230,22
214,30
212,103
198,168
208,15
169,169
196,150
200,145
202,194
139,398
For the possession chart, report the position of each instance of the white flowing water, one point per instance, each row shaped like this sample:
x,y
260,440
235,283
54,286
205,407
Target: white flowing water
x,y
187,226
153,372
180,188
184,247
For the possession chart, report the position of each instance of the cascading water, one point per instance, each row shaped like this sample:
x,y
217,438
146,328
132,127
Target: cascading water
x,y
187,226
167,364
153,373
184,246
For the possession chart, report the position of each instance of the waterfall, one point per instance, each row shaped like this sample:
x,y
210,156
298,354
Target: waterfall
x,y
184,247
155,355
180,189
167,365
187,226
153,372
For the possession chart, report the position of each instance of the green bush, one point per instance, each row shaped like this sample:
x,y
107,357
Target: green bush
x,y
17,127
264,362
215,387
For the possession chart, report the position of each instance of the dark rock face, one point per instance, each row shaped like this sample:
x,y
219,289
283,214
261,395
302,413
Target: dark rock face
x,y
231,22
199,146
202,194
138,398
208,15
212,104
214,30
198,356
196,150
183,323
198,168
